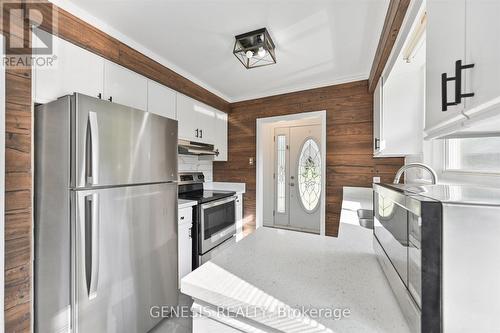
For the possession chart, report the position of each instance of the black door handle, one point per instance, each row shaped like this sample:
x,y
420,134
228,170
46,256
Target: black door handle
x,y
201,134
197,133
444,92
99,96
110,98
458,81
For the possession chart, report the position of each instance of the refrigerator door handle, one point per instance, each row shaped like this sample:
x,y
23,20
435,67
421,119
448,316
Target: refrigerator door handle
x,y
91,241
92,150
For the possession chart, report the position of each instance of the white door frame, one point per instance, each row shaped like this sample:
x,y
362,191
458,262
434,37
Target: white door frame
x,y
259,218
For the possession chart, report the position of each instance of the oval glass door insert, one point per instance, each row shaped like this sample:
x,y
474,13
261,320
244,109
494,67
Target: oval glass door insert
x,y
309,175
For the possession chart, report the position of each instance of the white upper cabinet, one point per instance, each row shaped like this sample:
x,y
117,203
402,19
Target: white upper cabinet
x,y
221,135
483,50
161,100
445,45
463,41
74,70
78,70
196,120
125,87
377,117
398,109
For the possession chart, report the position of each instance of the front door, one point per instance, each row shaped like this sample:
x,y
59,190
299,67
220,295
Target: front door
x,y
298,178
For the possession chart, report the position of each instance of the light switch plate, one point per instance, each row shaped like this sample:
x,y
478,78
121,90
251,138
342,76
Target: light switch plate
x,y
376,180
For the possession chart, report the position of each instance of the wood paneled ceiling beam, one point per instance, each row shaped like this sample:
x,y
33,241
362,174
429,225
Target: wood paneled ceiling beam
x,y
393,21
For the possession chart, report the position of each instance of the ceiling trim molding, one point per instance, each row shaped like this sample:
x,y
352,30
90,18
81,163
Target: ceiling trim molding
x,y
392,24
299,88
106,28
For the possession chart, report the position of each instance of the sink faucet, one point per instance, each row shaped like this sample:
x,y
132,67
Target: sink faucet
x,y
400,172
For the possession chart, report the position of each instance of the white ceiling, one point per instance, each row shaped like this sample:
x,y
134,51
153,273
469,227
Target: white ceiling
x,y
318,42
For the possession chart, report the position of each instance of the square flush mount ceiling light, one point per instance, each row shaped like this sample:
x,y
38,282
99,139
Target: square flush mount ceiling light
x,y
255,49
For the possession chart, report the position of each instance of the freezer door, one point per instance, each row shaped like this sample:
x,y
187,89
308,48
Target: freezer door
x,y
125,256
116,145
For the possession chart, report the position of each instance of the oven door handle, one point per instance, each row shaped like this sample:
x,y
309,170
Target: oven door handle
x,y
218,203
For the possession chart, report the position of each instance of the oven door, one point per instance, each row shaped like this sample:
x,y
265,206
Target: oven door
x,y
217,223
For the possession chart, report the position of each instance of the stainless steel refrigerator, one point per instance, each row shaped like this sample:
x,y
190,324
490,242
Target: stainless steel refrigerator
x,y
105,216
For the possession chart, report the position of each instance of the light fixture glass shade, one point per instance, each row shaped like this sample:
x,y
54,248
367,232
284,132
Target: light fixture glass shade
x,y
261,46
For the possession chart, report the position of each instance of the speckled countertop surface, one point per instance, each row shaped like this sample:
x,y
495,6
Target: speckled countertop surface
x,y
273,271
186,203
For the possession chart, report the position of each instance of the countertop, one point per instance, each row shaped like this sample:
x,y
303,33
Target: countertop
x,y
186,203
354,198
273,271
239,188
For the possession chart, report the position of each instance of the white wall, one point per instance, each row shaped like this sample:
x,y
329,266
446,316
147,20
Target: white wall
x,y
192,163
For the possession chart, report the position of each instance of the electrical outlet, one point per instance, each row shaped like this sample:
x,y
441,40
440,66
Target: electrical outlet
x,y
376,180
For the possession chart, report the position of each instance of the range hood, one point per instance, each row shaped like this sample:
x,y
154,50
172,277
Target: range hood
x,y
197,148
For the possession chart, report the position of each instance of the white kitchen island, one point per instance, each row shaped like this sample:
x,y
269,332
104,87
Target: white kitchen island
x,y
257,285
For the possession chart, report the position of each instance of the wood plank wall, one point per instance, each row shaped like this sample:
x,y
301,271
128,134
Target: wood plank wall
x,y
392,24
18,196
349,109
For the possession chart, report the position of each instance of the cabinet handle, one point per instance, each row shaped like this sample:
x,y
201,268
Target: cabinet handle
x,y
201,134
99,96
110,98
182,217
458,81
377,143
217,152
444,92
197,132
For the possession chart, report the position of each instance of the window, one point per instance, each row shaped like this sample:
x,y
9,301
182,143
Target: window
x,y
309,175
480,155
281,174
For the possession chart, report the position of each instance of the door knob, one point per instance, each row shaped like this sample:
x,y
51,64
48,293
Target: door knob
x,y
292,184
292,177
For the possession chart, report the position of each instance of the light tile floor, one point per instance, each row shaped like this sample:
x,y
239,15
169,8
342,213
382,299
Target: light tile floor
x,y
176,325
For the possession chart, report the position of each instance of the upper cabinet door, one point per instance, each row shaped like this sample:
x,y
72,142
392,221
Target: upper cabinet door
x,y
186,116
445,44
125,87
205,119
377,116
221,135
196,120
161,100
74,70
483,50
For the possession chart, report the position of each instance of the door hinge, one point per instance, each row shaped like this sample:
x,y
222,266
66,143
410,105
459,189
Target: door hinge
x,y
274,213
286,147
274,176
274,138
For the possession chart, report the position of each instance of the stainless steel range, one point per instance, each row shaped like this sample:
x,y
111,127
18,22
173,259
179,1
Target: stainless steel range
x,y
214,218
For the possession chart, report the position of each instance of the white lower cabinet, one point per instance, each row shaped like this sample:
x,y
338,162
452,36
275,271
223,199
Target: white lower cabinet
x,y
185,242
125,87
239,217
161,100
